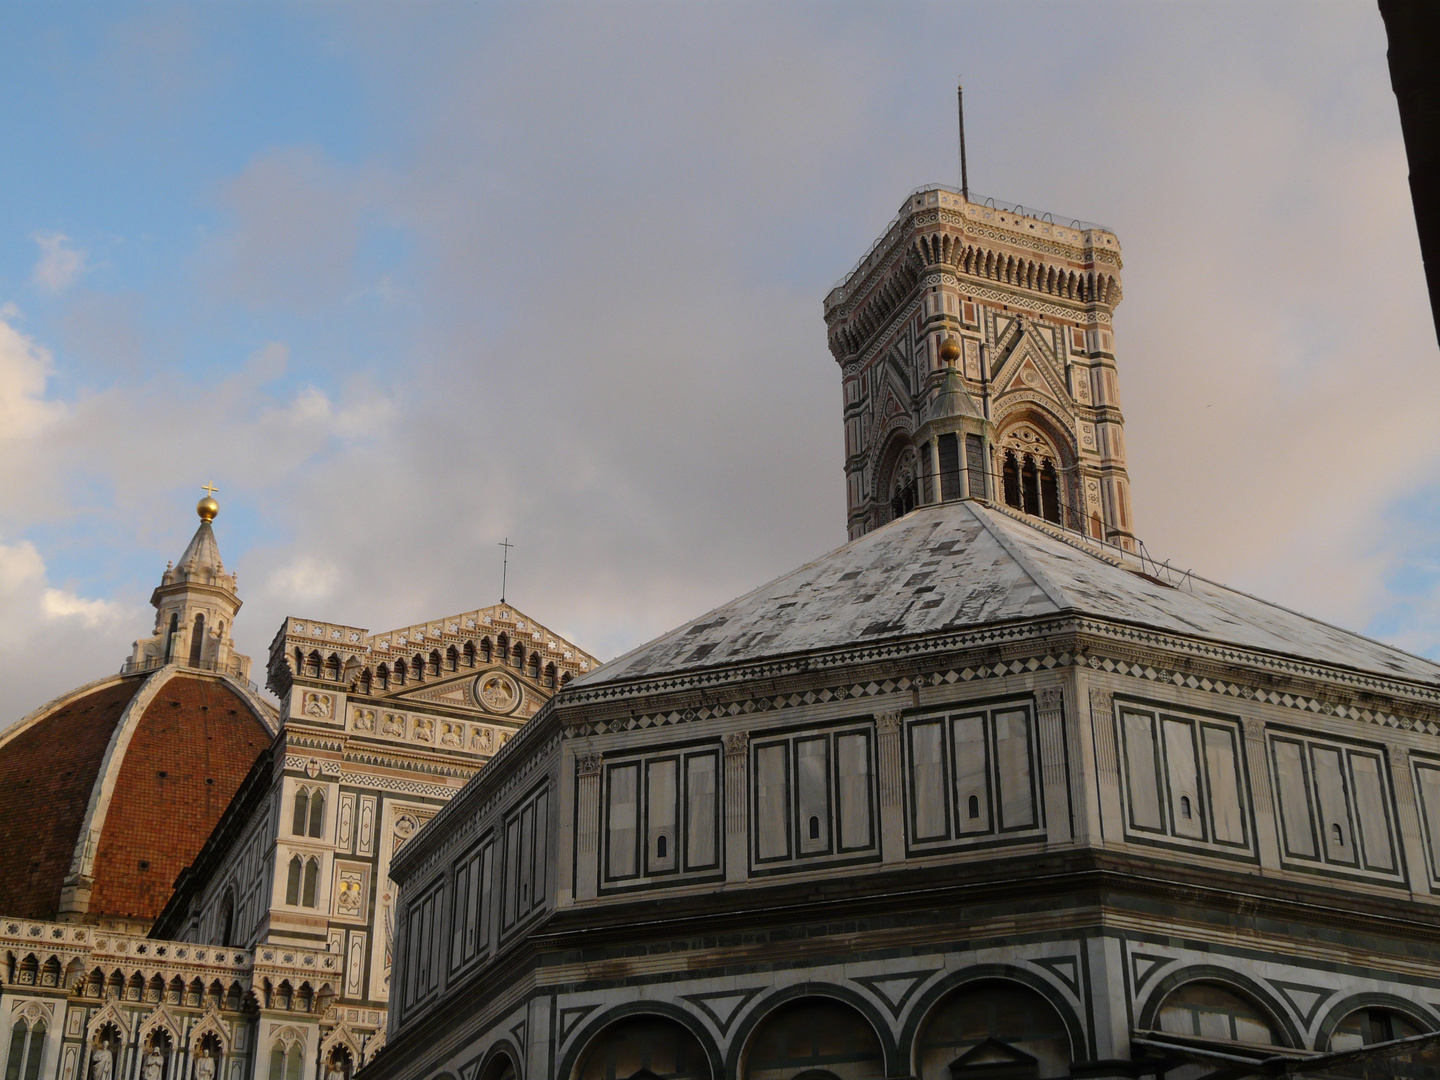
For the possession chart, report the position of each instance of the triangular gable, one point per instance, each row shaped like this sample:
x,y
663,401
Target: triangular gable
x,y
456,692
992,1059
1029,366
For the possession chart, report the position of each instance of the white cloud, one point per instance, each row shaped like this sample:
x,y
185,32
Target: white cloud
x,y
25,369
40,623
305,580
61,263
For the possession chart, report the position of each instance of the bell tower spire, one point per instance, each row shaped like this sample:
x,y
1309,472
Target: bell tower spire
x,y
195,607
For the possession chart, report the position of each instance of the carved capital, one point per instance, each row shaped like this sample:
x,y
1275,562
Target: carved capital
x,y
1254,727
1050,699
888,722
1101,700
588,764
737,743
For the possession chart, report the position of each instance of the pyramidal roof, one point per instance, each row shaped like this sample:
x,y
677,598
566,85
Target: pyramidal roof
x,y
963,565
202,552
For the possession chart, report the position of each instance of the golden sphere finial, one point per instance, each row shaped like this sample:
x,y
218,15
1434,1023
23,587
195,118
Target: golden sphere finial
x,y
950,349
207,507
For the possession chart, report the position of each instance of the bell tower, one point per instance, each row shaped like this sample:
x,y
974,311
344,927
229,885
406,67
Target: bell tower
x,y
195,607
977,359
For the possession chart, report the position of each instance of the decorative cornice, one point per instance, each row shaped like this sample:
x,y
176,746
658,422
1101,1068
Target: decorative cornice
x,y
1097,644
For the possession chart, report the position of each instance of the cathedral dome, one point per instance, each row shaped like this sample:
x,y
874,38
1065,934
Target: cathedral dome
x,y
108,792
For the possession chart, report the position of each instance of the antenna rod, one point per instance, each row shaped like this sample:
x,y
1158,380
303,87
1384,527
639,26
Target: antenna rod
x,y
964,172
504,566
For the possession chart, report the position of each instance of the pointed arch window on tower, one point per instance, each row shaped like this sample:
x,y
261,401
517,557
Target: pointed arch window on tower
x,y
302,813
1029,475
317,814
170,637
312,880
292,880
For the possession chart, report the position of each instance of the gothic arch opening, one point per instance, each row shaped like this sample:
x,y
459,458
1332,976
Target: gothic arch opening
x,y
897,480
993,1027
642,1048
1037,468
812,1036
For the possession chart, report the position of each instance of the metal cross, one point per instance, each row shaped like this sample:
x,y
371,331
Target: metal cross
x,y
211,488
504,566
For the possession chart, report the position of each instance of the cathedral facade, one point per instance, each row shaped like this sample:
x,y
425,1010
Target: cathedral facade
x,y
206,894
981,795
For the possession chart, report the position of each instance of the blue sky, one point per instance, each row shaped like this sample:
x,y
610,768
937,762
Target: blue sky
x,y
406,279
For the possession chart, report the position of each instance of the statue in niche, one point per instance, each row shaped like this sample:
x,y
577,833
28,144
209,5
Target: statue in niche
x,y
154,1065
204,1067
102,1063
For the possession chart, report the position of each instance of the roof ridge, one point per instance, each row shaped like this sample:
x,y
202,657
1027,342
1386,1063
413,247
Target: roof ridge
x,y
1042,581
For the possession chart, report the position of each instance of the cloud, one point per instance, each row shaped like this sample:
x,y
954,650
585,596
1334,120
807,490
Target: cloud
x,y
578,303
40,624
25,369
296,225
306,580
61,263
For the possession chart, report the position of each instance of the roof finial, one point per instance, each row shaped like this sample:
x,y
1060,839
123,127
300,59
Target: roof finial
x,y
964,171
207,507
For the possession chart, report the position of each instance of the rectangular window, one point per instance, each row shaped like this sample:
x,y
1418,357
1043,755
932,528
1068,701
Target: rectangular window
x,y
512,870
948,446
541,850
812,786
772,801
701,822
1142,771
1332,800
622,835
1335,804
1012,758
1222,770
1183,774
927,752
927,475
853,754
1294,788
972,774
1427,785
526,859
1371,813
459,923
661,800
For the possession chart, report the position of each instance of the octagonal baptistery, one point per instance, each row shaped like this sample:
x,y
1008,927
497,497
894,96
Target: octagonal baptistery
x,y
109,791
972,796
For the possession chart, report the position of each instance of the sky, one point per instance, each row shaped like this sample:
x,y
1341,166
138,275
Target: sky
x,y
405,280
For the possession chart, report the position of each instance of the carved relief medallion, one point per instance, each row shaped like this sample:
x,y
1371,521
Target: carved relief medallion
x,y
498,692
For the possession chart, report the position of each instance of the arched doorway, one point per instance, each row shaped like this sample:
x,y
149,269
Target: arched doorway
x,y
993,1028
644,1048
814,1038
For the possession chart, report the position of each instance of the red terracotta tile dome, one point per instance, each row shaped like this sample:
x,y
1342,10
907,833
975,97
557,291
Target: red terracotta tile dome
x,y
142,766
